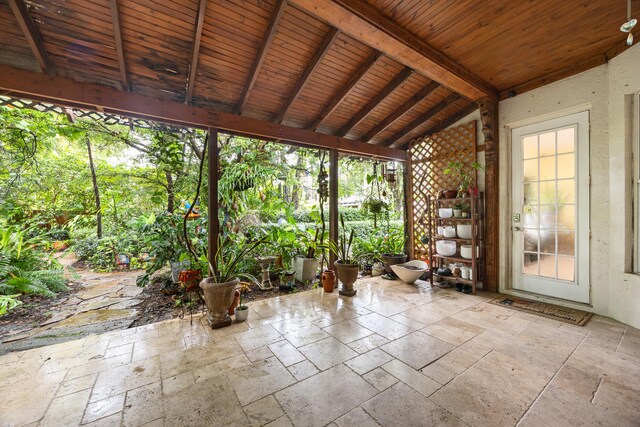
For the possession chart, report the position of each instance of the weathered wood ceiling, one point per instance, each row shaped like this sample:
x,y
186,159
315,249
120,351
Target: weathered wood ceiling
x,y
376,71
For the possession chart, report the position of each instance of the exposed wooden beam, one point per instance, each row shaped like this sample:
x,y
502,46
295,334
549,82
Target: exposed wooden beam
x,y
117,31
304,78
32,34
344,91
195,54
65,92
400,111
278,11
366,23
400,78
464,112
427,115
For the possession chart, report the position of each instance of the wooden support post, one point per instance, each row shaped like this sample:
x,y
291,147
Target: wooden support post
x,y
213,222
407,181
333,203
489,117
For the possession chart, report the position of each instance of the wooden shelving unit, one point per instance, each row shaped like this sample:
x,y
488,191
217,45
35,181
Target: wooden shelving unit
x,y
476,219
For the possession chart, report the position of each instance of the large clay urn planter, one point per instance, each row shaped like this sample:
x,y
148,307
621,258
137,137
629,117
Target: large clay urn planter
x,y
347,274
328,281
390,259
218,297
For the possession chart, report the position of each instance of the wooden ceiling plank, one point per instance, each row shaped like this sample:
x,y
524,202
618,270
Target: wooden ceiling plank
x,y
400,78
68,92
117,31
32,34
464,112
427,115
367,24
400,111
195,54
344,91
304,78
278,12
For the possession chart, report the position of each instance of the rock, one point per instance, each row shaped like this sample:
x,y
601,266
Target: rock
x,y
162,276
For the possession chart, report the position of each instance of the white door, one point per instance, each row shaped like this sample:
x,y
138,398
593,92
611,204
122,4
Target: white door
x,y
550,220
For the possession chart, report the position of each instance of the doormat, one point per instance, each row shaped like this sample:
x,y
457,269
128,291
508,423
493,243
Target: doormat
x,y
563,314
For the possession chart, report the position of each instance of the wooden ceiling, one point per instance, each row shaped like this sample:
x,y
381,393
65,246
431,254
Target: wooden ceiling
x,y
381,72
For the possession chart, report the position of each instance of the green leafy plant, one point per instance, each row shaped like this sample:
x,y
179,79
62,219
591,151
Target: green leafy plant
x,y
7,302
342,247
465,177
243,289
393,242
225,265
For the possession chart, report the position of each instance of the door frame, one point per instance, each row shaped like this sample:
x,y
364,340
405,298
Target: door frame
x,y
506,286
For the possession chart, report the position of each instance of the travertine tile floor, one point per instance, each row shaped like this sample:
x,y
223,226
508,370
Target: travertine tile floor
x,y
394,355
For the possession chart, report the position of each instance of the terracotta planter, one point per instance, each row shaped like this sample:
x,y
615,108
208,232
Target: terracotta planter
x,y
390,260
235,303
450,194
328,280
347,274
189,279
218,297
242,313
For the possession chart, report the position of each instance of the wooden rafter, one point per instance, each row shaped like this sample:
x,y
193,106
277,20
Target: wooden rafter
x,y
400,111
304,78
427,115
117,31
344,91
367,24
32,34
67,92
278,11
464,112
195,54
400,78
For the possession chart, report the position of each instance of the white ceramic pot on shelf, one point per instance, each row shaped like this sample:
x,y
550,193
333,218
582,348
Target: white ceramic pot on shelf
x,y
445,212
449,231
466,252
446,247
464,231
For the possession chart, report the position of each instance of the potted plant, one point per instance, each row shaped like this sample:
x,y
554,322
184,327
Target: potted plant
x,y
306,265
346,266
223,278
457,210
466,179
242,311
393,249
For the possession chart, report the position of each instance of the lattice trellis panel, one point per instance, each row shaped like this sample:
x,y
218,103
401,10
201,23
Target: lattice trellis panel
x,y
428,158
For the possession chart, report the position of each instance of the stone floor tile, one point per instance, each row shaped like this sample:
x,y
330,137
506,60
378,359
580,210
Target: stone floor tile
x,y
143,405
630,343
390,307
98,365
286,353
118,351
155,346
580,381
422,315
258,337
322,398
355,418
380,379
618,367
447,332
303,370
103,408
306,335
179,361
414,379
368,361
368,343
417,349
128,377
220,367
618,398
437,371
558,407
283,421
263,411
260,379
66,410
110,421
27,402
401,406
327,353
178,382
347,331
384,326
263,321
76,384
259,353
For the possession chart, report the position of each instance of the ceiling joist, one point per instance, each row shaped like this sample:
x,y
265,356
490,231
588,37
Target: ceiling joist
x,y
195,54
400,78
367,24
464,112
344,90
117,32
278,11
400,111
32,34
67,92
427,115
304,78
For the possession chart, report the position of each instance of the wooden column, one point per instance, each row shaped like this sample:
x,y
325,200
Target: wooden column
x,y
407,181
333,203
489,117
213,222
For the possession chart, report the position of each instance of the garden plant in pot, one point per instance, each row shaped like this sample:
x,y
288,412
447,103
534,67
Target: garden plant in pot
x,y
346,266
306,265
242,311
393,249
466,179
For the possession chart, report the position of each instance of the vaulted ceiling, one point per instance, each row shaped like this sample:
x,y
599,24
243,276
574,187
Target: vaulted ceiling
x,y
378,71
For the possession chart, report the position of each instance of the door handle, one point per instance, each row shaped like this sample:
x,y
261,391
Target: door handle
x,y
517,229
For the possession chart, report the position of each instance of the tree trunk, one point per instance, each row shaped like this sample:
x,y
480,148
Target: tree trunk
x,y
171,197
96,192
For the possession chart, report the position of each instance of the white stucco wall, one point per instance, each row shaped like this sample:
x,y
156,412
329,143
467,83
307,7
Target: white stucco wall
x,y
614,291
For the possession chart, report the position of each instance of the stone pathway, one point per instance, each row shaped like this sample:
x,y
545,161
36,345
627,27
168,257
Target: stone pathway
x,y
105,302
